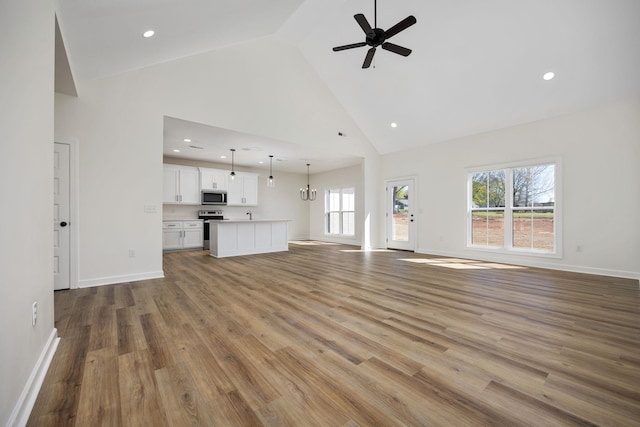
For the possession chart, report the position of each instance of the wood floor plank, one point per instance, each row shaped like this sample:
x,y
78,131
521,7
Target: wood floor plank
x,y
532,409
182,403
99,401
139,396
328,335
59,396
130,335
255,387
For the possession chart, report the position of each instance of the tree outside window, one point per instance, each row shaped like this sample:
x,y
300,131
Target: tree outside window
x,y
487,217
514,208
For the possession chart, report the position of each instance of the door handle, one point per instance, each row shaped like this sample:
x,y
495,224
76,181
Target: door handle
x,y
63,224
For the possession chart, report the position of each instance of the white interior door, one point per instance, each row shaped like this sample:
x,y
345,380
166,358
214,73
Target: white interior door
x,y
61,210
400,218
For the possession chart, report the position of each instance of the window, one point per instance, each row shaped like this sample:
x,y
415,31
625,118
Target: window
x,y
340,211
514,209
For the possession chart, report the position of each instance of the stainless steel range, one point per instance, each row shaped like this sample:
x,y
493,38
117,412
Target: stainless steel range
x,y
209,215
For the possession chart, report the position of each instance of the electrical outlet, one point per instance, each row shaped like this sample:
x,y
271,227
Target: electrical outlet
x,y
132,253
34,313
579,248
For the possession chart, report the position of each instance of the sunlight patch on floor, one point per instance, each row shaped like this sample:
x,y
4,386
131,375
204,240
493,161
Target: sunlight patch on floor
x,y
462,264
366,250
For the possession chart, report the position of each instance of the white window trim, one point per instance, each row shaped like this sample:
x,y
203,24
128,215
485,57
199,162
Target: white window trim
x,y
340,212
508,248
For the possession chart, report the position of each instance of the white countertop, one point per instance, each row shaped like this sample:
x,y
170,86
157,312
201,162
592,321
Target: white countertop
x,y
236,220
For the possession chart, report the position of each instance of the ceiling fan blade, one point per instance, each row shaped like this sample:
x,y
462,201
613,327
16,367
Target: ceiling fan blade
x,y
401,26
348,46
396,49
369,57
362,21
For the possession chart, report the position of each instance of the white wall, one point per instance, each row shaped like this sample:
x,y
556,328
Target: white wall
x,y
263,88
600,152
26,217
279,202
340,178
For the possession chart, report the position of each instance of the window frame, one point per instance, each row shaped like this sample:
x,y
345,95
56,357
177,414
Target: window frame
x,y
507,246
341,211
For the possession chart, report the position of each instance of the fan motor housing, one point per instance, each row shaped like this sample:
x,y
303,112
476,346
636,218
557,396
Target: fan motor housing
x,y
376,37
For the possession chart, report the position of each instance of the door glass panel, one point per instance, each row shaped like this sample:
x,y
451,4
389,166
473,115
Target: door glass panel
x,y
400,220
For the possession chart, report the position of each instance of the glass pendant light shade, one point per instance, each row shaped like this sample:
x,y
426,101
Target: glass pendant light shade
x,y
232,175
270,181
308,194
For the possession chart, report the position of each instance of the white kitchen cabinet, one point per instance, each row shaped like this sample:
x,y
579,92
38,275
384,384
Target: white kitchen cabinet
x,y
178,235
180,185
172,235
193,234
243,190
213,179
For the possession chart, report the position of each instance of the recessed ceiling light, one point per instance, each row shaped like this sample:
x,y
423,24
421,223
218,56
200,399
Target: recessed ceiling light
x,y
223,157
148,33
549,75
260,162
186,140
394,125
176,151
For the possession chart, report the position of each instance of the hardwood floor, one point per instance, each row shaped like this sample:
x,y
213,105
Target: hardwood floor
x,y
325,335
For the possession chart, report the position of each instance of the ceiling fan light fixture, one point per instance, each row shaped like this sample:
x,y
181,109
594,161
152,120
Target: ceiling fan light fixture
x,y
377,37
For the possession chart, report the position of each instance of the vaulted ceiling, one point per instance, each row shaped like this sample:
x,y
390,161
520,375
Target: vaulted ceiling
x,y
475,66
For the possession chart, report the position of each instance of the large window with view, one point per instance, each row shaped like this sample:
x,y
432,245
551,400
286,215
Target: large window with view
x,y
514,208
340,211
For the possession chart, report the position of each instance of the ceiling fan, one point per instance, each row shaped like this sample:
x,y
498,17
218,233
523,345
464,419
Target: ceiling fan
x,y
378,37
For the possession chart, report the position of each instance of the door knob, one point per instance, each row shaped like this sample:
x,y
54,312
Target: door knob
x,y
63,224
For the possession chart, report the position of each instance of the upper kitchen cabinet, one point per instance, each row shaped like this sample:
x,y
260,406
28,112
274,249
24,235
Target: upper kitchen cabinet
x,y
243,190
181,185
213,179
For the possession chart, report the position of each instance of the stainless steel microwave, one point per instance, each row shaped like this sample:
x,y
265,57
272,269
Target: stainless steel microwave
x,y
214,197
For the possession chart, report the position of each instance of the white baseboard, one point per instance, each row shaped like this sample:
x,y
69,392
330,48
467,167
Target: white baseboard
x,y
111,280
298,238
340,240
22,410
536,263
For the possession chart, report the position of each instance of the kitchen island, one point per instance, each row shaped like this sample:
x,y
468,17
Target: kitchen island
x,y
231,237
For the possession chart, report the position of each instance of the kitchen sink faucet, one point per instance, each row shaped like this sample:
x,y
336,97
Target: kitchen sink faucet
x,y
250,215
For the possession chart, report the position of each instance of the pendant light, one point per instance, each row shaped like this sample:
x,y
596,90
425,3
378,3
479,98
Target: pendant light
x,y
270,182
232,175
308,194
